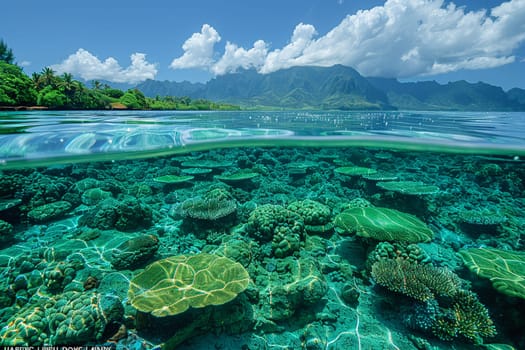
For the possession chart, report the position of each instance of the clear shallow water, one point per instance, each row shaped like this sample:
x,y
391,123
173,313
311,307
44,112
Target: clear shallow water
x,y
30,138
89,199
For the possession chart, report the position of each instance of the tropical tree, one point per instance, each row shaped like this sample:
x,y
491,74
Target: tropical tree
x,y
134,99
111,92
6,54
52,98
67,86
37,80
16,88
67,81
48,77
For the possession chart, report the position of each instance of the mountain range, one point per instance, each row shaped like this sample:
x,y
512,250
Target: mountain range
x,y
339,87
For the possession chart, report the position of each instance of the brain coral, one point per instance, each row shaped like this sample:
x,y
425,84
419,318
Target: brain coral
x,y
268,219
71,317
312,212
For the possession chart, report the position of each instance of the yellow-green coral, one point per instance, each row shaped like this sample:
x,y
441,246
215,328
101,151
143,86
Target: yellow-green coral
x,y
173,179
355,171
172,285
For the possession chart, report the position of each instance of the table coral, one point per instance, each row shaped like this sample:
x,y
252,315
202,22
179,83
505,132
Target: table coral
x,y
505,269
383,224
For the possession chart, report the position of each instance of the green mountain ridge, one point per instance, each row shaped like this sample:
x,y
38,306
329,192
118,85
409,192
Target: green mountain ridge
x,y
339,87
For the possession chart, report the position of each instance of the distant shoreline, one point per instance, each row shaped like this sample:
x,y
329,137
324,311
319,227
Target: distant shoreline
x,y
23,108
113,108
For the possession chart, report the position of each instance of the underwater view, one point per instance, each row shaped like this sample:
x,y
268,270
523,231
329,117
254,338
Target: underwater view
x,y
262,230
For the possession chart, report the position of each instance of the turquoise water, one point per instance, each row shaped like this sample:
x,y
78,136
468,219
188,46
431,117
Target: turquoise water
x,y
262,230
74,136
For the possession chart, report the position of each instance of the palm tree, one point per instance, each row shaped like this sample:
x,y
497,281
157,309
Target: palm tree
x,y
68,85
37,81
48,77
67,82
6,54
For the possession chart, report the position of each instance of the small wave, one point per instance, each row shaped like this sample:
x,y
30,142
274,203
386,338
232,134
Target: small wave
x,y
40,138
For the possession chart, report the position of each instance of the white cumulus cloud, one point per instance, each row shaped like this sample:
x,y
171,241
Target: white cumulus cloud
x,y
89,67
198,49
289,55
402,38
405,38
235,57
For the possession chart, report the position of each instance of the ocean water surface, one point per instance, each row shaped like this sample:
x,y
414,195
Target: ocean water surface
x,y
262,230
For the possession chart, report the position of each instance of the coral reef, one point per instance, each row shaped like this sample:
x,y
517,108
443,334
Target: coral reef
x,y
299,285
413,188
300,257
411,252
444,309
481,217
94,195
355,171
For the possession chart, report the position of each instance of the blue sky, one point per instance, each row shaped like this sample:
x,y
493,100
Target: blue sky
x,y
131,40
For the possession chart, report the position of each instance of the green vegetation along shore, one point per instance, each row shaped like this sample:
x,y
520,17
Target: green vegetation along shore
x,y
46,90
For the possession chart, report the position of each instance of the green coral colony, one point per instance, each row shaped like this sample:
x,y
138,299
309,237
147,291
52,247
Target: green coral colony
x,y
277,248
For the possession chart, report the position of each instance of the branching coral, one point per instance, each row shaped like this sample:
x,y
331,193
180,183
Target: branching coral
x,y
421,282
467,318
459,314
